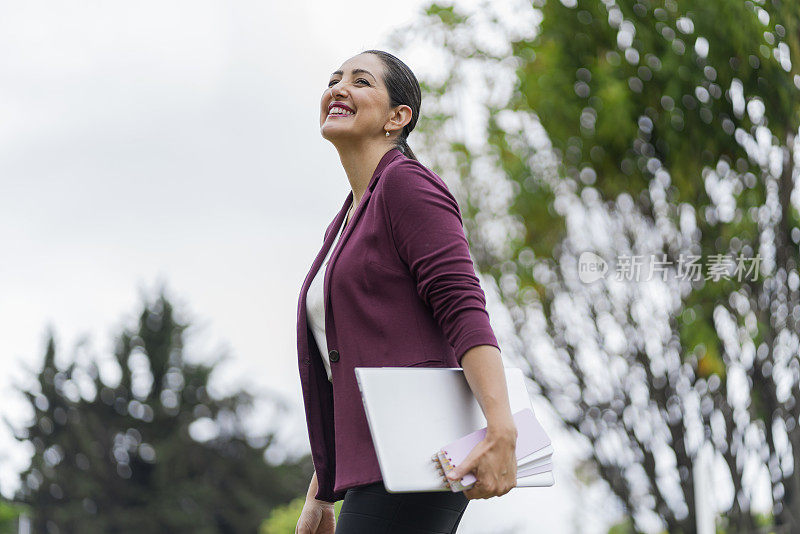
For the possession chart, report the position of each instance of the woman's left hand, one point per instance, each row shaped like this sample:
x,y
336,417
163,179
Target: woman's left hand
x,y
493,461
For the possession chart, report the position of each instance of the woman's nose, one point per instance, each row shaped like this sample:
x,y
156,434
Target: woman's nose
x,y
335,91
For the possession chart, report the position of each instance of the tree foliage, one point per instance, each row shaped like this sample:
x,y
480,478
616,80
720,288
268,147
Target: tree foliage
x,y
9,516
664,130
121,457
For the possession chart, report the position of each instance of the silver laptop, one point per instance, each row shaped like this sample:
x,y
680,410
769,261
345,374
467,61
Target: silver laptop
x,y
414,411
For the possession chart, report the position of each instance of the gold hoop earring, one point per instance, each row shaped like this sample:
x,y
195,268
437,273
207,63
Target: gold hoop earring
x,y
387,133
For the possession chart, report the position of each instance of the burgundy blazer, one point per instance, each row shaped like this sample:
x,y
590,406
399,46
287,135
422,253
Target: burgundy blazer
x,y
400,290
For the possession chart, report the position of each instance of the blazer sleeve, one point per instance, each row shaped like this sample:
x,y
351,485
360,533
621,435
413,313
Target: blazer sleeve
x,y
428,232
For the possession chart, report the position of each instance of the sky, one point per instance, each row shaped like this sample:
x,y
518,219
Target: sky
x,y
178,143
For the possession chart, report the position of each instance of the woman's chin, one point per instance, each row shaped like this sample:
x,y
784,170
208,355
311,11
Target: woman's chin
x,y
333,133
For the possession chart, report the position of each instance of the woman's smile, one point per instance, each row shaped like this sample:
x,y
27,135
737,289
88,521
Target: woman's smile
x,y
337,109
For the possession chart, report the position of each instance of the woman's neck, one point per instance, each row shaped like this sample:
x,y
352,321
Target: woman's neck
x,y
360,164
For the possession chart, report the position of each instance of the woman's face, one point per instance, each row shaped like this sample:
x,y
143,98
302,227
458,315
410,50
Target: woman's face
x,y
357,86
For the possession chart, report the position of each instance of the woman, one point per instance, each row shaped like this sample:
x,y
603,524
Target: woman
x,y
397,288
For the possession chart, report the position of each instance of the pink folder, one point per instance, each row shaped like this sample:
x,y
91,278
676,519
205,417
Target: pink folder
x,y
531,438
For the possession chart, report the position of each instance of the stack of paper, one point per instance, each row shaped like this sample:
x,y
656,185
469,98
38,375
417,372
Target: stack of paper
x,y
533,450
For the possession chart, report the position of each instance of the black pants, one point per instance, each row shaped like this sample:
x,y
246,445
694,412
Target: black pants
x,y
373,510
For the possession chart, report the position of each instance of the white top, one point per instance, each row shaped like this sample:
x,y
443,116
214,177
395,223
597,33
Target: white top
x,y
315,307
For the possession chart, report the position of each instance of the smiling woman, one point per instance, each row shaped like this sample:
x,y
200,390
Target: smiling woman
x,y
377,71
398,289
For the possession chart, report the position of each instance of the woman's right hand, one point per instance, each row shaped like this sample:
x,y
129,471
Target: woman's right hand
x,y
317,517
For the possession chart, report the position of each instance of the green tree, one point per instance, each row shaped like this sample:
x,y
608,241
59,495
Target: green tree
x,y
122,457
663,129
9,516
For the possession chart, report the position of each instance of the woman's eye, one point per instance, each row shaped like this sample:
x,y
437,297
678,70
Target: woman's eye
x,y
358,80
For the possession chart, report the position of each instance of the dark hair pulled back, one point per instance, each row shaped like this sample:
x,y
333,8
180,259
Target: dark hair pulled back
x,y
403,89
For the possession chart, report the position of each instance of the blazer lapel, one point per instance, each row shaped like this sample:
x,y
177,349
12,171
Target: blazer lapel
x,y
302,319
391,155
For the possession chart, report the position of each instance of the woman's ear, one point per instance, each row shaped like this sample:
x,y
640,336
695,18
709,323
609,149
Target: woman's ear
x,y
400,117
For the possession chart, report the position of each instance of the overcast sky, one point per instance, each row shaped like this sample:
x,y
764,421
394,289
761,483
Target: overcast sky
x,y
178,142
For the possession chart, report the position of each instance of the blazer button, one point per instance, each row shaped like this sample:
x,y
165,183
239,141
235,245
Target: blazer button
x,y
334,355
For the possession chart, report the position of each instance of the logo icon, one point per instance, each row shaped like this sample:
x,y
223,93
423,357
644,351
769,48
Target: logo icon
x,y
591,267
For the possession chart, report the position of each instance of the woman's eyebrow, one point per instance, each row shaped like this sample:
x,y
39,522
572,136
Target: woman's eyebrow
x,y
354,71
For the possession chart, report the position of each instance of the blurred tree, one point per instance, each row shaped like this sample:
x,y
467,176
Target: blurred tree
x,y
9,516
663,130
124,459
623,527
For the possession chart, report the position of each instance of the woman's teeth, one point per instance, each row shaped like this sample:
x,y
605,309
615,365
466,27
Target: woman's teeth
x,y
339,111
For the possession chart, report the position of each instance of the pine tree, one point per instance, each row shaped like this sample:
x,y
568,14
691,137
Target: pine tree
x,y
124,460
